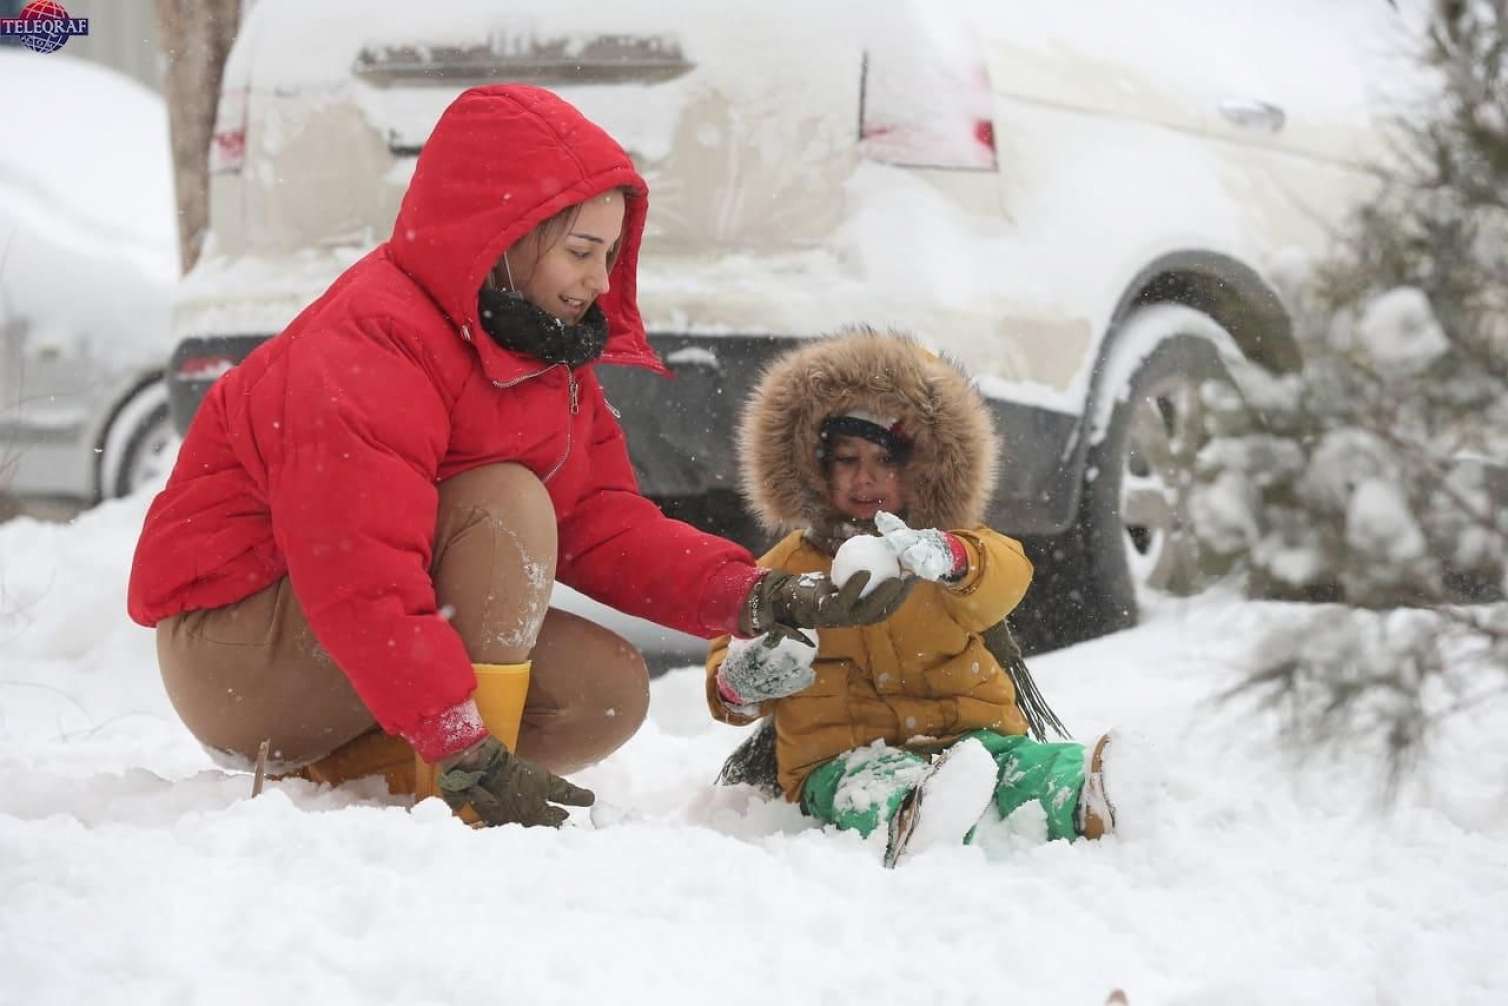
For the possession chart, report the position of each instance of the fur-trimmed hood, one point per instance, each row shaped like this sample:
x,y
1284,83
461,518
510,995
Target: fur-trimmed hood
x,y
951,471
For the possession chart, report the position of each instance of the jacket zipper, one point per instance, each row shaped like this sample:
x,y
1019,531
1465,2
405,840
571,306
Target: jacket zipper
x,y
573,393
520,380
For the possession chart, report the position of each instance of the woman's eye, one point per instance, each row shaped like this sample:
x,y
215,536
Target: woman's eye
x,y
582,255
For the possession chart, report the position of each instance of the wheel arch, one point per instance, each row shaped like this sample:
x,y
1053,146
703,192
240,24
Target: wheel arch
x,y
1226,289
1237,306
101,433
1238,298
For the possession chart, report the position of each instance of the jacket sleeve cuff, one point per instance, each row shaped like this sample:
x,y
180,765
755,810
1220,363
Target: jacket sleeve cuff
x,y
972,571
728,695
961,561
724,595
448,732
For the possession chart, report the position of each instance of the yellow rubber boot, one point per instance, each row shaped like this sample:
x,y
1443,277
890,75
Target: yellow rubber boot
x,y
499,696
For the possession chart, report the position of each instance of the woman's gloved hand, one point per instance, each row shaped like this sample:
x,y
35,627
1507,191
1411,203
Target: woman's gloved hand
x,y
782,601
505,789
928,553
769,667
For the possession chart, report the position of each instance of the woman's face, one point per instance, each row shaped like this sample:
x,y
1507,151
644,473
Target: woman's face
x,y
863,478
564,272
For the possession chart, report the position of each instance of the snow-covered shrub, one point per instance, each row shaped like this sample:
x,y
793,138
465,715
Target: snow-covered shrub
x,y
1377,475
1381,679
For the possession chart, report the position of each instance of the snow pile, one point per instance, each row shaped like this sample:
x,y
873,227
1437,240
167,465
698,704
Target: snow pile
x,y
132,870
955,795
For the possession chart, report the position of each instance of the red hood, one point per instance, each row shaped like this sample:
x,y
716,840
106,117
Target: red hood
x,y
501,159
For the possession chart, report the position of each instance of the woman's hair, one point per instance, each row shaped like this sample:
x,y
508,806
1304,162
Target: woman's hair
x,y
546,235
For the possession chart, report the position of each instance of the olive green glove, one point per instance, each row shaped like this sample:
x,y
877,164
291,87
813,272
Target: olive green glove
x,y
785,602
505,789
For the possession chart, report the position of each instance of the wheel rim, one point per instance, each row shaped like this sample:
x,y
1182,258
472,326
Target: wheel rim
x,y
1165,433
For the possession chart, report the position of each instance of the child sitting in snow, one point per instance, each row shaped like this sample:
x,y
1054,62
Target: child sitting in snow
x,y
867,433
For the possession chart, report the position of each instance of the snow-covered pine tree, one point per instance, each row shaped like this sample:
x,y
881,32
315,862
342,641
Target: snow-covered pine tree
x,y
1376,478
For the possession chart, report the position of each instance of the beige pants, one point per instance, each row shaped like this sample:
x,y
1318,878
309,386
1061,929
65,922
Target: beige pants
x,y
253,670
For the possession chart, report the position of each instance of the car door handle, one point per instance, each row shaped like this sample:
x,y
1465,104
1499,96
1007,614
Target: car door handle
x,y
1250,113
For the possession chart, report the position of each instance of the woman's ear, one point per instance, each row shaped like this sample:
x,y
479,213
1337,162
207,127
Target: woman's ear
x,y
500,277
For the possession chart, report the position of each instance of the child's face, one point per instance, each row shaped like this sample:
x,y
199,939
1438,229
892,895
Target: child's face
x,y
863,479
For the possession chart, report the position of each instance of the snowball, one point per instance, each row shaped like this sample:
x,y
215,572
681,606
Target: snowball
x,y
432,810
1400,331
611,815
865,553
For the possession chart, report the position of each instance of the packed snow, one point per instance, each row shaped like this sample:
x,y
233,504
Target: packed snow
x,y
133,870
865,554
955,795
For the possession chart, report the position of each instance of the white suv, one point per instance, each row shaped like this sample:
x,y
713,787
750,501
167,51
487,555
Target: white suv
x,y
1083,203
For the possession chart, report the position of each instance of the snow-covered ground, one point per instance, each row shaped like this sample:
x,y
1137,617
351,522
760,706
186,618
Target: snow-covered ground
x,y
131,870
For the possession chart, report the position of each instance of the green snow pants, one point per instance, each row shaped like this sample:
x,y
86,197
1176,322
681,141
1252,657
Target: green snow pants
x,y
862,789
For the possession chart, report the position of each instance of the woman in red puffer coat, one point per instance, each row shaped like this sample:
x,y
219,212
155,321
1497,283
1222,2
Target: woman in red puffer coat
x,y
382,496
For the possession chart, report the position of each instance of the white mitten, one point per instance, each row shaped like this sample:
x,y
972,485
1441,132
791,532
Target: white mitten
x,y
927,553
766,667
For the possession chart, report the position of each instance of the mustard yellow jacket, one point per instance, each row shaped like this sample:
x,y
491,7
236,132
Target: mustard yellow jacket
x,y
921,677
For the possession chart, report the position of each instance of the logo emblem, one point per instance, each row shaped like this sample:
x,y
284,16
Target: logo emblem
x,y
43,26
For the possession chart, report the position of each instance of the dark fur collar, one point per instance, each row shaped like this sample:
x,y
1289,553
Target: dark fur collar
x,y
521,327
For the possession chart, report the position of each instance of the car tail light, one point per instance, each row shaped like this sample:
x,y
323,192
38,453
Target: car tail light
x,y
924,107
203,368
227,145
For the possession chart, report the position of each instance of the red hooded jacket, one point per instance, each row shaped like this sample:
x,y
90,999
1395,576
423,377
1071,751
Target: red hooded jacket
x,y
318,456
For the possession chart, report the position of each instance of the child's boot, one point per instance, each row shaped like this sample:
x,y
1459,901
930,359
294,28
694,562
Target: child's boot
x,y
1096,812
957,789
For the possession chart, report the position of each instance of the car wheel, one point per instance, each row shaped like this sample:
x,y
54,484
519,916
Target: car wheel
x,y
1140,480
140,445
1133,539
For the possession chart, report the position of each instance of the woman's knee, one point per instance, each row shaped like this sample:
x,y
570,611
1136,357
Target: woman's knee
x,y
511,497
608,676
588,694
494,559
630,698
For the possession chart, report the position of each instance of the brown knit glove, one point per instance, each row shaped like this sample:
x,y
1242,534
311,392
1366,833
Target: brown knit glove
x,y
785,602
505,789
